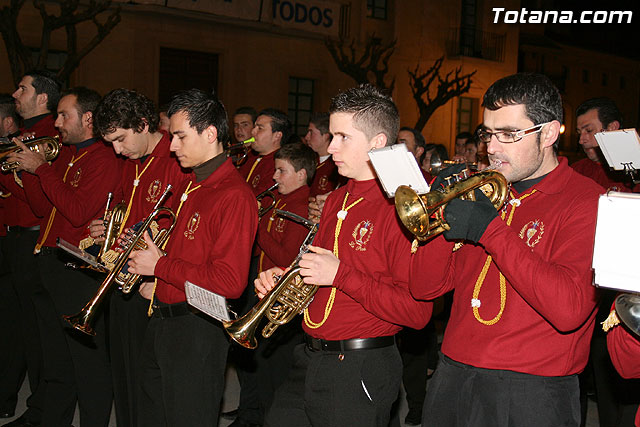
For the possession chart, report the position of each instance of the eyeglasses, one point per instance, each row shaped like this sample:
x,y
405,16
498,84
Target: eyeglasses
x,y
509,137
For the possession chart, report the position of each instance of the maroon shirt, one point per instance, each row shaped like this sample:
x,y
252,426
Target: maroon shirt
x,y
545,257
160,168
279,238
372,297
624,348
211,243
258,171
77,192
326,178
17,209
610,180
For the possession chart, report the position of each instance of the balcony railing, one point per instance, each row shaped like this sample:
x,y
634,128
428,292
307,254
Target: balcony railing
x,y
464,41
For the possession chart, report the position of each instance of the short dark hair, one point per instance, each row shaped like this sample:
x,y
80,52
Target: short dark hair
x,y
607,110
45,81
464,135
321,122
86,99
301,156
126,109
373,111
247,110
8,108
541,99
279,123
420,142
203,109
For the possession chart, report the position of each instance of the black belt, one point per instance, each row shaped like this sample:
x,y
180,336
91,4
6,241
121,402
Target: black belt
x,y
317,344
172,310
47,250
18,228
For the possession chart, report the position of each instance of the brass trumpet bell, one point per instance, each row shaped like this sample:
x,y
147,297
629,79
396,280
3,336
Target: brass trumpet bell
x,y
50,148
423,215
628,310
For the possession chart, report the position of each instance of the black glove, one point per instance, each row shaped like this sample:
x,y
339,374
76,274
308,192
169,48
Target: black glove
x,y
439,182
468,219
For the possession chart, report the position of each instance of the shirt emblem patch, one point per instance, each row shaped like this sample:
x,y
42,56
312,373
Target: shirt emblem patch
x,y
532,232
361,235
192,226
75,181
255,181
154,191
280,225
322,184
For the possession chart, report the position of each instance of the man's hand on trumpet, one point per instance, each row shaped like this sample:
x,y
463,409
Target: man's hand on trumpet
x,y
97,230
144,261
27,160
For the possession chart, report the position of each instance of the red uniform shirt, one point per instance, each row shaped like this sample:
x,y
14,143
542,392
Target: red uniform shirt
x,y
610,180
279,238
17,210
159,169
211,243
624,348
545,257
258,171
372,297
77,189
326,178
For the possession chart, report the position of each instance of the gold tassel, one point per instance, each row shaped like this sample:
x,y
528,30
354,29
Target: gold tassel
x,y
610,321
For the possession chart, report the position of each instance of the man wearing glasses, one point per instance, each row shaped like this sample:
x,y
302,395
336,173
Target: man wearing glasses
x,y
523,309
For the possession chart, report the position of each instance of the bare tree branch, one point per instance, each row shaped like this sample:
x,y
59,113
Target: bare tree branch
x,y
69,14
371,66
453,84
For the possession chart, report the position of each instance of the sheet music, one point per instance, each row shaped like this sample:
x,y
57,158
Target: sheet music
x,y
620,147
615,257
207,302
80,254
396,166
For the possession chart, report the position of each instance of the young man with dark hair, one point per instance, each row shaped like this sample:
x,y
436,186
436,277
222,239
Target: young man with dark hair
x,y
9,119
349,370
459,145
243,120
523,308
128,120
318,138
593,116
184,353
34,101
272,129
68,194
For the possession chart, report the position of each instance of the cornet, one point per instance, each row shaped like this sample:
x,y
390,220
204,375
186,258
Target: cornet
x,y
423,215
50,148
288,298
239,152
266,193
83,320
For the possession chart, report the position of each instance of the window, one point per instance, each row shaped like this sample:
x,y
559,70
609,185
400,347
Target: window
x,y
300,103
467,113
377,9
186,69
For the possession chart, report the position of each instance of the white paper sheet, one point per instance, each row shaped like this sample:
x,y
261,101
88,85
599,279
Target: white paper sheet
x,y
207,302
620,147
396,166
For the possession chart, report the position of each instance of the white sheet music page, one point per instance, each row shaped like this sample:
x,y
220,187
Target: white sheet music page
x,y
396,166
206,301
620,147
615,256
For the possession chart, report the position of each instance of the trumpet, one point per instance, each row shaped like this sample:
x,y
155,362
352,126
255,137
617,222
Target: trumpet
x,y
266,193
423,215
628,310
289,297
83,320
50,149
239,152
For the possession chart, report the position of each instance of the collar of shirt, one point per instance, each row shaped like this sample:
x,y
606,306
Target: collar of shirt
x,y
86,143
206,169
368,189
556,180
29,123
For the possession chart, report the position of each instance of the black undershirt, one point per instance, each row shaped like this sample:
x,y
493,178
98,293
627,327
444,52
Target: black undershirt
x,y
522,186
207,168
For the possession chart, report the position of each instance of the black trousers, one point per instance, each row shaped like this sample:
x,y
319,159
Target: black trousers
x,y
128,322
25,282
76,367
13,365
182,371
419,352
326,390
465,396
